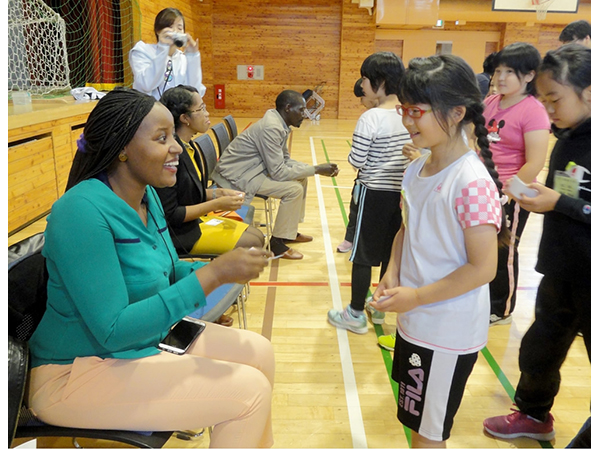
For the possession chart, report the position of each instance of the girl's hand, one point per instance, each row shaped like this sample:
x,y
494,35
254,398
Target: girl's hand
x,y
388,281
192,45
545,201
400,299
411,151
164,36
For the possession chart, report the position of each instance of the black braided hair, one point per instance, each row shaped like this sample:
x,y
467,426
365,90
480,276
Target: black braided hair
x,y
446,82
110,127
179,100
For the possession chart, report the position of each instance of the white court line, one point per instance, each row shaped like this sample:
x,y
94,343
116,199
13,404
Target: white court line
x,y
329,138
357,428
336,187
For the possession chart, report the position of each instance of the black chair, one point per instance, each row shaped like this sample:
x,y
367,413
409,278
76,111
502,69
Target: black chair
x,y
208,152
222,136
27,279
231,126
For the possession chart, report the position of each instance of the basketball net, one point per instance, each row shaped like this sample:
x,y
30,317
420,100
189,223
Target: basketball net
x,y
541,7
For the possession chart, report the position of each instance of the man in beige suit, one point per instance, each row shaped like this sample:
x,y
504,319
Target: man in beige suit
x,y
257,161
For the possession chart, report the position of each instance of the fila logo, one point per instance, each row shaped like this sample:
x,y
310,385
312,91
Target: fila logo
x,y
411,394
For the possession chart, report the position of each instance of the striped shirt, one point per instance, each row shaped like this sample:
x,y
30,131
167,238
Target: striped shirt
x,y
377,149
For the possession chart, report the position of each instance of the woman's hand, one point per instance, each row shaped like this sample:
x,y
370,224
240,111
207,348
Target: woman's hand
x,y
230,202
237,266
220,192
543,202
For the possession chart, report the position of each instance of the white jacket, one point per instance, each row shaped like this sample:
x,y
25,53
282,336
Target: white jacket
x,y
149,65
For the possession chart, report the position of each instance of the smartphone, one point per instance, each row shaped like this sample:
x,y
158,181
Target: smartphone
x,y
182,335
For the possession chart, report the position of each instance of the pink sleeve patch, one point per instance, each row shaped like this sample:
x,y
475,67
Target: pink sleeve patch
x,y
479,204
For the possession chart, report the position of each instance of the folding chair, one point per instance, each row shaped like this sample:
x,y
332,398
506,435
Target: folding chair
x,y
222,136
231,125
314,102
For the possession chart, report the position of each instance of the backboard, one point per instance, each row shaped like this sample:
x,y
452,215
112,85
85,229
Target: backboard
x,y
556,6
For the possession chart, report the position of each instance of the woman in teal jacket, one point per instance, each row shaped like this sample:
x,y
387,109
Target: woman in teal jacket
x,y
116,287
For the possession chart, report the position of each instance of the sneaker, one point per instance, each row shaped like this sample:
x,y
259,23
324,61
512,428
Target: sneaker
x,y
344,247
519,424
344,319
496,320
387,341
377,317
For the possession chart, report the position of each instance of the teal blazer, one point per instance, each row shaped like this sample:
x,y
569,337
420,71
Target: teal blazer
x,y
115,286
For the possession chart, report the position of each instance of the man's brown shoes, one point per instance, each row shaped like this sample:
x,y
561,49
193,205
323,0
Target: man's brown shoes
x,y
292,254
299,239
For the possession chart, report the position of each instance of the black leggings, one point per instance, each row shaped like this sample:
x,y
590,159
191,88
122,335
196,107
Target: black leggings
x,y
361,282
562,308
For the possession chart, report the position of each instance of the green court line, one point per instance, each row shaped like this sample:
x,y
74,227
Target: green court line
x,y
387,358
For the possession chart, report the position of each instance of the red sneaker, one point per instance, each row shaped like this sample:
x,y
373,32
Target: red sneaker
x,y
519,424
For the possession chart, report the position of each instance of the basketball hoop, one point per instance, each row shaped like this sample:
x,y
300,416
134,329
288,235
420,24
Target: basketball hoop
x,y
541,8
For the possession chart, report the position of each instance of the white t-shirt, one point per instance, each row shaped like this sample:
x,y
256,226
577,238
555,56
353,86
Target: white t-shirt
x,y
377,149
435,211
150,64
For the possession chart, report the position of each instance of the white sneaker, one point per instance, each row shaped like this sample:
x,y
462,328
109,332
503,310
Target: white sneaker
x,y
344,319
377,317
496,320
344,247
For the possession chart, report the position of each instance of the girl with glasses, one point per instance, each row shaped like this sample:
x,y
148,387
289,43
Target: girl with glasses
x,y
158,67
445,252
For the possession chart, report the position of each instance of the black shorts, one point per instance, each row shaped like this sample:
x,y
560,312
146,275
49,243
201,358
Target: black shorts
x,y
378,220
431,385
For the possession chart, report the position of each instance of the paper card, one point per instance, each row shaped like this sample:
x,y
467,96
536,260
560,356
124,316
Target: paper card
x,y
565,184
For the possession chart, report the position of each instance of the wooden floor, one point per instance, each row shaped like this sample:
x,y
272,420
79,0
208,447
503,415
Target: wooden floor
x,y
332,388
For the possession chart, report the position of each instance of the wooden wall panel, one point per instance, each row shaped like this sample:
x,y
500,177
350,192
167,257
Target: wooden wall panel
x,y
31,180
357,42
297,42
40,154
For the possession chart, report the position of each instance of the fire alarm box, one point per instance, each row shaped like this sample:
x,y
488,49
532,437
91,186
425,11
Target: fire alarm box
x,y
219,96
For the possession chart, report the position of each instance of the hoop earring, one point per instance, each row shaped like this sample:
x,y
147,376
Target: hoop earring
x,y
122,157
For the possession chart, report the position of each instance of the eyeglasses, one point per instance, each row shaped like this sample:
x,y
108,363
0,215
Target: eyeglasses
x,y
201,109
169,71
412,111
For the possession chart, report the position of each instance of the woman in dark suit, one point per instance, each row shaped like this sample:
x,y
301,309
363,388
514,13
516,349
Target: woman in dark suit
x,y
187,203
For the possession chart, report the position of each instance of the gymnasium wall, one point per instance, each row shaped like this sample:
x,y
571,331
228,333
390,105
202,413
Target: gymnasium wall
x,y
302,43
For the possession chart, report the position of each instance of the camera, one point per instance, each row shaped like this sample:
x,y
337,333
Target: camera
x,y
179,39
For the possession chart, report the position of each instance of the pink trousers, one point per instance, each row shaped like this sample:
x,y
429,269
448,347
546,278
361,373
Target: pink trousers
x,y
225,380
